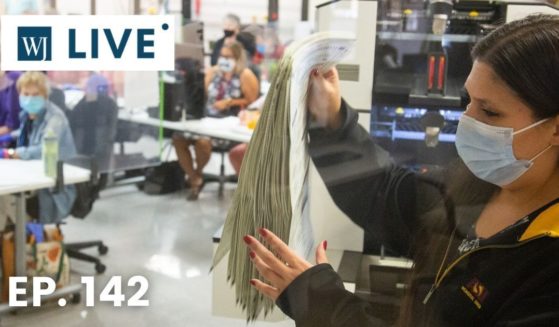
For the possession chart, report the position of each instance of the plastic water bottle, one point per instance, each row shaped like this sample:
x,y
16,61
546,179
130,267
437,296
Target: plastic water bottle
x,y
50,153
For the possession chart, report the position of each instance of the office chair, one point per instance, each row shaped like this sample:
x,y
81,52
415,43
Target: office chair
x,y
222,147
93,126
86,194
74,251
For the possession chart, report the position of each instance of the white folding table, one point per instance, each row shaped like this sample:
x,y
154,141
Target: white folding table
x,y
228,128
18,177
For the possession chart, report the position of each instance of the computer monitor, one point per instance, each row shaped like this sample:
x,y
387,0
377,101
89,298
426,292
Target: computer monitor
x,y
188,92
192,87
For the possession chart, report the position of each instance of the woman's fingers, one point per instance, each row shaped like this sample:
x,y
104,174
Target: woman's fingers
x,y
321,253
269,291
319,82
276,279
268,257
280,247
331,74
322,80
324,98
278,272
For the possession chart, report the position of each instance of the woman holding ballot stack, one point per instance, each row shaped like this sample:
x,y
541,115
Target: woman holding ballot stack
x,y
484,234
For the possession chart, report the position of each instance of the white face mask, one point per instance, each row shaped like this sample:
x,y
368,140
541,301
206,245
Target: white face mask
x,y
226,65
487,151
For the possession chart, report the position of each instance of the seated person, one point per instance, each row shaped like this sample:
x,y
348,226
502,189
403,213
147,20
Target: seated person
x,y
39,116
94,122
231,27
230,86
9,109
97,85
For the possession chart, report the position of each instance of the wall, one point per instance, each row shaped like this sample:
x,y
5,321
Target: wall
x,y
65,7
250,11
104,7
114,7
212,12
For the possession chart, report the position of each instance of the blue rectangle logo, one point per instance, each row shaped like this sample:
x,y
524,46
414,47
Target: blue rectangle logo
x,y
34,43
76,43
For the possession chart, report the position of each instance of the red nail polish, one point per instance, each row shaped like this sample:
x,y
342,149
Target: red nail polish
x,y
252,255
252,282
247,240
325,245
263,232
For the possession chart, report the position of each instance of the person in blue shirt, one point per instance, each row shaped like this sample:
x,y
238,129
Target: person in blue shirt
x,y
39,116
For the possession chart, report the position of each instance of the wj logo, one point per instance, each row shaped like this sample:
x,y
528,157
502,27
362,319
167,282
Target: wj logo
x,y
34,43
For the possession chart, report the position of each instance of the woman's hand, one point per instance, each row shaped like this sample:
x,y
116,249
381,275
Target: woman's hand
x,y
279,271
222,104
324,100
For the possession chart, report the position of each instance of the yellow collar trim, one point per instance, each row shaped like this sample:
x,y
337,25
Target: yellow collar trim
x,y
546,223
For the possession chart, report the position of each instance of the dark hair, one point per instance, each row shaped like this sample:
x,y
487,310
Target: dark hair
x,y
525,55
248,41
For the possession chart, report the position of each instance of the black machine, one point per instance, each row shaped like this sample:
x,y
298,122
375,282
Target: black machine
x,y
185,96
422,60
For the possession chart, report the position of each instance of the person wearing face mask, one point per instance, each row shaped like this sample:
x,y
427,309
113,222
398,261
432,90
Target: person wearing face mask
x,y
230,84
268,46
230,87
39,116
484,234
231,27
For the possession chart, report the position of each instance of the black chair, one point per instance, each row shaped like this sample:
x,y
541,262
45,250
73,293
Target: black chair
x,y
87,194
222,147
93,125
74,251
57,97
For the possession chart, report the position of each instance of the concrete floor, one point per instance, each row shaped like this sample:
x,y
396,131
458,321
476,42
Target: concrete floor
x,y
164,238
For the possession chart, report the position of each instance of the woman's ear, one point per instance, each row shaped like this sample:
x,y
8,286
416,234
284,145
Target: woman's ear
x,y
555,137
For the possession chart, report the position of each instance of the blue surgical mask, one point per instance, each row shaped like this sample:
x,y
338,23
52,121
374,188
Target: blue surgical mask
x,y
226,64
33,105
487,151
261,48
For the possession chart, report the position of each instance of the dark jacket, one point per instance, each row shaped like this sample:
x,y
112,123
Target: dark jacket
x,y
94,127
244,38
510,281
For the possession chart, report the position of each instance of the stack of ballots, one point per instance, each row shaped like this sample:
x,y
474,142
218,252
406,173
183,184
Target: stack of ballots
x,y
273,188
